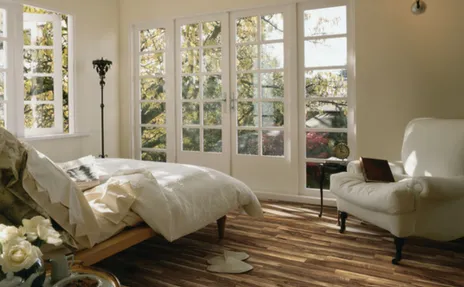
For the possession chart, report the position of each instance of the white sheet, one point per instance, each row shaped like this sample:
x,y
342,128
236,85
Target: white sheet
x,y
183,198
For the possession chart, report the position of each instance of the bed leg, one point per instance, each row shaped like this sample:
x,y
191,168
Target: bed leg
x,y
221,223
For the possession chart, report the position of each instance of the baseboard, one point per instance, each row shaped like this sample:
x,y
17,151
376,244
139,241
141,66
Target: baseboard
x,y
295,198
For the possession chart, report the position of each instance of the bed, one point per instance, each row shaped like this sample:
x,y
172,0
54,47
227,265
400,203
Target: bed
x,y
136,201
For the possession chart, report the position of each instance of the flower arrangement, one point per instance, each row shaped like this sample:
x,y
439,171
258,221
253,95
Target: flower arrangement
x,y
20,247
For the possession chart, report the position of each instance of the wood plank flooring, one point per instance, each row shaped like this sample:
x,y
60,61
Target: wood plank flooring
x,y
292,246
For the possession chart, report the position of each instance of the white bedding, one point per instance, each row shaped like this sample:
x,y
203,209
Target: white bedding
x,y
179,199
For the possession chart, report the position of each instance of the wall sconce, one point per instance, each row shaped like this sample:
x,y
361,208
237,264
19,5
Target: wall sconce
x,y
418,7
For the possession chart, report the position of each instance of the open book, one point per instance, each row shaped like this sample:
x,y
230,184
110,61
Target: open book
x,y
376,170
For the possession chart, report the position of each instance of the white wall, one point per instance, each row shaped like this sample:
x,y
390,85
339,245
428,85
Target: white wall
x,y
96,35
407,66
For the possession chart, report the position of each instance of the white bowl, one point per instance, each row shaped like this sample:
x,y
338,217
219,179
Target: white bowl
x,y
65,281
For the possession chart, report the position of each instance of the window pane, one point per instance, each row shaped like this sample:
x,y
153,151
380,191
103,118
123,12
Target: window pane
x,y
190,36
154,156
190,87
2,23
190,61
153,138
41,88
247,57
326,114
325,52
272,27
212,140
326,83
273,143
191,113
272,56
247,114
321,144
152,89
212,114
212,87
38,34
272,85
190,139
152,40
43,116
327,21
212,60
247,29
273,114
3,61
38,61
28,118
153,113
247,142
212,33
3,96
152,64
247,85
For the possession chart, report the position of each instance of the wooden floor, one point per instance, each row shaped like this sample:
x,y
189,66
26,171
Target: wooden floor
x,y
292,246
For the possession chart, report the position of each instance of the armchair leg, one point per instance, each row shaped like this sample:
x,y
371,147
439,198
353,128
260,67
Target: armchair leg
x,y
343,217
399,243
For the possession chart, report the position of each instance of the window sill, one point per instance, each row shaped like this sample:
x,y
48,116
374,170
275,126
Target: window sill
x,y
54,137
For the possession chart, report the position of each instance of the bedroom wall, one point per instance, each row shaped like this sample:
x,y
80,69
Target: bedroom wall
x,y
96,35
407,66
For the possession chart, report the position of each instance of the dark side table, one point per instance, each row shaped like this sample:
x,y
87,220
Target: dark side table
x,y
326,169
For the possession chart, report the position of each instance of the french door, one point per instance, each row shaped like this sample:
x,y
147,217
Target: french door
x,y
203,116
262,90
244,99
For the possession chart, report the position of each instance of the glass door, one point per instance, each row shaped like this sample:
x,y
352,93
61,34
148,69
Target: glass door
x,y
202,97
262,94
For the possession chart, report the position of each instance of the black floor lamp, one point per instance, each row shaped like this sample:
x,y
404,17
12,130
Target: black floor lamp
x,y
102,66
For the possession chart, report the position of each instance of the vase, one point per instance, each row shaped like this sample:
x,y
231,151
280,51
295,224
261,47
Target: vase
x,y
33,276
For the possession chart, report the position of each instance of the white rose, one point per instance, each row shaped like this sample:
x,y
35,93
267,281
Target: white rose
x,y
39,227
19,254
10,233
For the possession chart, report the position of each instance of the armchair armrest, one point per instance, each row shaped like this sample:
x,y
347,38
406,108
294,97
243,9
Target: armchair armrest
x,y
396,168
441,188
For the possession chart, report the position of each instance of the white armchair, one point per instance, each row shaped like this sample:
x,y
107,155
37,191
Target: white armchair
x,y
427,199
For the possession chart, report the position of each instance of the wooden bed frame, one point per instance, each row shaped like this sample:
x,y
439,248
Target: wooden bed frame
x,y
125,240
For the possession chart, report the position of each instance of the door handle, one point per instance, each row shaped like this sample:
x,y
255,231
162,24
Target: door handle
x,y
232,101
225,101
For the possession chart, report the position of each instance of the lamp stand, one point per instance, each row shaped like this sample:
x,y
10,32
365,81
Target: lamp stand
x,y
102,66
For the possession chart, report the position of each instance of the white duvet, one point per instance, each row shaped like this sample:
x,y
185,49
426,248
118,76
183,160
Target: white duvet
x,y
173,199
177,199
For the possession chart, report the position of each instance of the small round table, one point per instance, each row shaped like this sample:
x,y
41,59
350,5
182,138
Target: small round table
x,y
329,167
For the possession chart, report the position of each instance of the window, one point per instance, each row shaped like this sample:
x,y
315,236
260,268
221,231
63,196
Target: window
x,y
152,100
42,105
325,66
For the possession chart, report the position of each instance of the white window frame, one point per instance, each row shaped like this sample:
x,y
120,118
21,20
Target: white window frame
x,y
351,97
57,75
169,90
14,81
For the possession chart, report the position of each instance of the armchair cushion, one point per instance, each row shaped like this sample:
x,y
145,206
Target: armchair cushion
x,y
391,198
